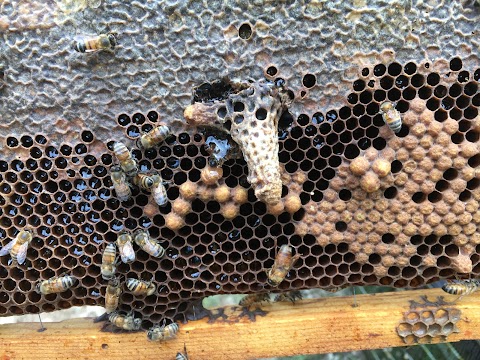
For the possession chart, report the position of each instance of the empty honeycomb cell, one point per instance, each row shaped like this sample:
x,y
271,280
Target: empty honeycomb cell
x,y
78,211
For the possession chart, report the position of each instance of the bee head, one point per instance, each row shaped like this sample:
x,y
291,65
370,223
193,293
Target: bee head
x,y
137,323
271,282
112,39
151,334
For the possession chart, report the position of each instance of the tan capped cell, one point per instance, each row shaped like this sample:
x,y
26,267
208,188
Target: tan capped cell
x,y
222,193
181,206
210,175
359,166
370,182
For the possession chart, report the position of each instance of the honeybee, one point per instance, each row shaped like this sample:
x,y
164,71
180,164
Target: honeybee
x,y
254,299
112,295
161,333
127,162
154,137
147,244
143,181
282,265
94,43
56,284
184,355
462,287
126,322
120,184
159,192
18,247
140,287
125,247
289,296
391,116
108,267
334,289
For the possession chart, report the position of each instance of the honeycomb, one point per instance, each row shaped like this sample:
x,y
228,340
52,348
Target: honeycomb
x,y
428,320
358,203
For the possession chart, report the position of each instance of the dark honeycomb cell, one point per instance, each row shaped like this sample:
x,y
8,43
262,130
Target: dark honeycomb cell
x,y
245,31
65,193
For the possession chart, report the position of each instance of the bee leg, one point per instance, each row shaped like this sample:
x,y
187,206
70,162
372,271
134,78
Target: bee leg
x,y
101,318
252,314
196,311
42,329
355,304
217,314
110,328
294,295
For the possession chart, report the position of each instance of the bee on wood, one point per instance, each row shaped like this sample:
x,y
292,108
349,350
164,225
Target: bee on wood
x,y
120,184
334,289
143,181
126,322
254,299
162,333
184,355
18,247
159,192
154,137
108,267
125,247
127,162
142,238
112,295
391,116
87,44
289,296
56,284
140,287
282,265
462,287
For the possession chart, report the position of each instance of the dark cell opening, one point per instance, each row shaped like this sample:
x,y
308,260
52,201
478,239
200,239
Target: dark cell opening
x,y
359,85
455,90
12,141
390,192
309,80
455,64
87,136
123,119
26,141
419,197
379,70
245,31
394,69
261,114
433,79
271,71
410,68
340,226
434,197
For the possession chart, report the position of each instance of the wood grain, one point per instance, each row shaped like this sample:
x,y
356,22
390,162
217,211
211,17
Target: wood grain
x,y
308,327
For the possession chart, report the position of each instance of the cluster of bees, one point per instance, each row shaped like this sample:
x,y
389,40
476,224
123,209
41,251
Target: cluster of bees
x,y
123,175
126,173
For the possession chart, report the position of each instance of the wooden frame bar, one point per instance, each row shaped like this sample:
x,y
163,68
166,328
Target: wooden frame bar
x,y
306,327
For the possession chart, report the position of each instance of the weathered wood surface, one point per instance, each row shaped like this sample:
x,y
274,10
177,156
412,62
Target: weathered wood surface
x,y
308,327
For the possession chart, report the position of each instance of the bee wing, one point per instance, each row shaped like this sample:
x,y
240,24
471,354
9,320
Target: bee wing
x,y
22,253
127,253
6,249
